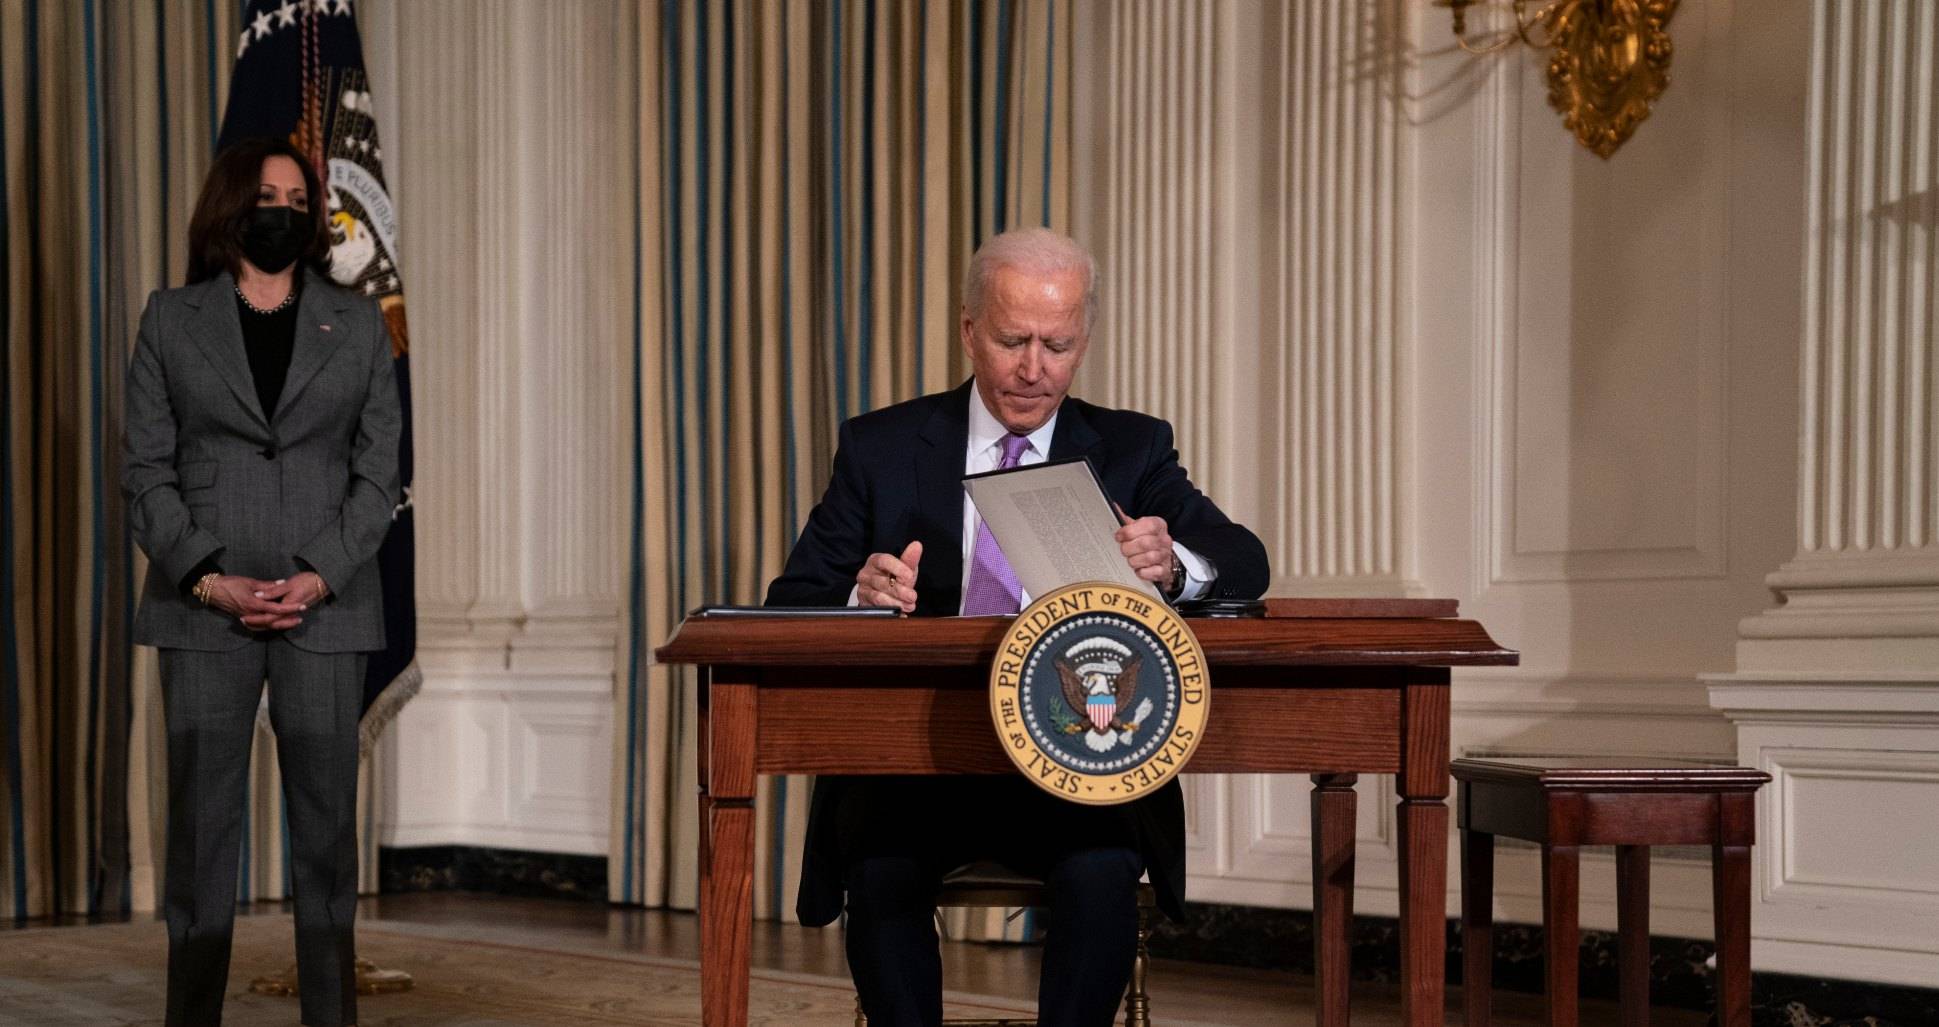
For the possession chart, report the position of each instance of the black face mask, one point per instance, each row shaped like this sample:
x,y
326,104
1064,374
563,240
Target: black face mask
x,y
273,237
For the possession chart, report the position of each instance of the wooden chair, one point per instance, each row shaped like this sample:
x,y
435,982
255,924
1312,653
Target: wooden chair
x,y
984,886
1567,803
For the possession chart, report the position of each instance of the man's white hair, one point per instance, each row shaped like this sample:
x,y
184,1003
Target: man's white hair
x,y
1032,251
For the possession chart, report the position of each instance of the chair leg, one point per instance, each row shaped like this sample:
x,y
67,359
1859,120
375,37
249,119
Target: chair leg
x,y
1478,924
1137,1003
1332,804
1559,897
1730,891
1632,932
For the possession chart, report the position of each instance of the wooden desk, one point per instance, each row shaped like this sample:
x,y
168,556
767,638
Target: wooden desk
x,y
1331,688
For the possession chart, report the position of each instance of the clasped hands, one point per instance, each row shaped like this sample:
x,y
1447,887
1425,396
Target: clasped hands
x,y
266,605
888,580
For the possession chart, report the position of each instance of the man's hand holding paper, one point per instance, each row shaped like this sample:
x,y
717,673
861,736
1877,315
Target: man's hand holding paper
x,y
1147,547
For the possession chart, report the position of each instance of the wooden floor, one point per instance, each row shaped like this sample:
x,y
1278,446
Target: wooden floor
x,y
1184,990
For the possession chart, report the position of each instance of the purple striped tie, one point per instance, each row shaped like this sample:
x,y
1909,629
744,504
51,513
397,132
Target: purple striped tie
x,y
993,587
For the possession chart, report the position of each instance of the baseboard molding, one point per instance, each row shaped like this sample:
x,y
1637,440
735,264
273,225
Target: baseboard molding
x,y
498,871
1680,976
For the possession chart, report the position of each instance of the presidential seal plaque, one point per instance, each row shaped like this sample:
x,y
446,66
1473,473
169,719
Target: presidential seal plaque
x,y
1099,693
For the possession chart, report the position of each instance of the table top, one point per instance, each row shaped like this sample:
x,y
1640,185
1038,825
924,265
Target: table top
x,y
1610,773
1307,632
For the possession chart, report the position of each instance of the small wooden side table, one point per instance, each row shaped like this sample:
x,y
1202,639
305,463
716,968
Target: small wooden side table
x,y
1566,803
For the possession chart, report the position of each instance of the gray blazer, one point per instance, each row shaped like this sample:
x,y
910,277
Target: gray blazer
x,y
312,485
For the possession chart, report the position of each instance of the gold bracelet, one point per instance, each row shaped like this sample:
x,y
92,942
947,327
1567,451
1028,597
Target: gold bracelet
x,y
202,585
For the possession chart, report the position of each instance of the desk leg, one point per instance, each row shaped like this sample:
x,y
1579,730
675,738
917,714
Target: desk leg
x,y
727,851
706,801
1333,828
1423,822
1560,890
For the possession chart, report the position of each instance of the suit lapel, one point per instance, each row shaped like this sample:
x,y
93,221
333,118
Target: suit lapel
x,y
318,332
1074,436
939,492
217,332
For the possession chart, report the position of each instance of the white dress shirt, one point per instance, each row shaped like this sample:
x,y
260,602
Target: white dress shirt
x,y
985,451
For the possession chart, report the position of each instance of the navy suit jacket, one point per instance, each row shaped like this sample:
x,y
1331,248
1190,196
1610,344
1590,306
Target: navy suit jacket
x,y
898,478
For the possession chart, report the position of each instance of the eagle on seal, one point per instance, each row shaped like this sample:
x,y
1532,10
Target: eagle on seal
x,y
1100,682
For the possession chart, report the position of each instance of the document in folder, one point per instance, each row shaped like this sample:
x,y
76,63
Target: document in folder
x,y
1055,526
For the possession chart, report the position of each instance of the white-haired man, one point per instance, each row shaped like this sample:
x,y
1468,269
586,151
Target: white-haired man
x,y
893,530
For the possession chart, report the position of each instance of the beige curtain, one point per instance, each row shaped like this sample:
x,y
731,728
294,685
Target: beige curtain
x,y
813,178
106,118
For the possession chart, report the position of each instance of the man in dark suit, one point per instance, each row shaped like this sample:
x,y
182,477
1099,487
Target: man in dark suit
x,y
893,530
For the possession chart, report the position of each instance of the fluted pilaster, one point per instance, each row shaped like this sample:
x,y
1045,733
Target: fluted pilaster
x,y
1240,186
1867,565
1336,231
513,156
574,318
516,299
1160,349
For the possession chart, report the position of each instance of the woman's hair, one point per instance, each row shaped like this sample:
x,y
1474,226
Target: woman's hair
x,y
229,194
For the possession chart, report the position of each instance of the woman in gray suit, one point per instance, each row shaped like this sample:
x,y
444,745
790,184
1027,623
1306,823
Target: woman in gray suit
x,y
261,475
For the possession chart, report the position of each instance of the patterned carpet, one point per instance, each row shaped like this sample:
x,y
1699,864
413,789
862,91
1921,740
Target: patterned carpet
x,y
61,976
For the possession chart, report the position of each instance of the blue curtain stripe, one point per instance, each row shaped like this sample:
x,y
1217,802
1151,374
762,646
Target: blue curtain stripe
x,y
636,503
789,453
208,31
922,179
976,118
9,624
838,288
703,305
1050,100
97,570
865,272
999,136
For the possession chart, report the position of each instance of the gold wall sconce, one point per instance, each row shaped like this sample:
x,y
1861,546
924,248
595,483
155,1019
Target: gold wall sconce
x,y
1609,59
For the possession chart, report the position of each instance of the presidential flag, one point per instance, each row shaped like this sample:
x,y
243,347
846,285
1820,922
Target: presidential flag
x,y
300,74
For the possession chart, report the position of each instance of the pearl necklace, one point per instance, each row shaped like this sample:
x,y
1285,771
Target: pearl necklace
x,y
287,300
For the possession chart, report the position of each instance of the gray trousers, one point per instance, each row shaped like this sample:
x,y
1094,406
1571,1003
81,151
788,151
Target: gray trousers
x,y
210,701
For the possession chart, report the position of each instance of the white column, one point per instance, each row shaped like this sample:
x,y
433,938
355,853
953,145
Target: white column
x,y
1336,441
1148,171
1239,186
512,157
1836,691
573,328
1868,505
